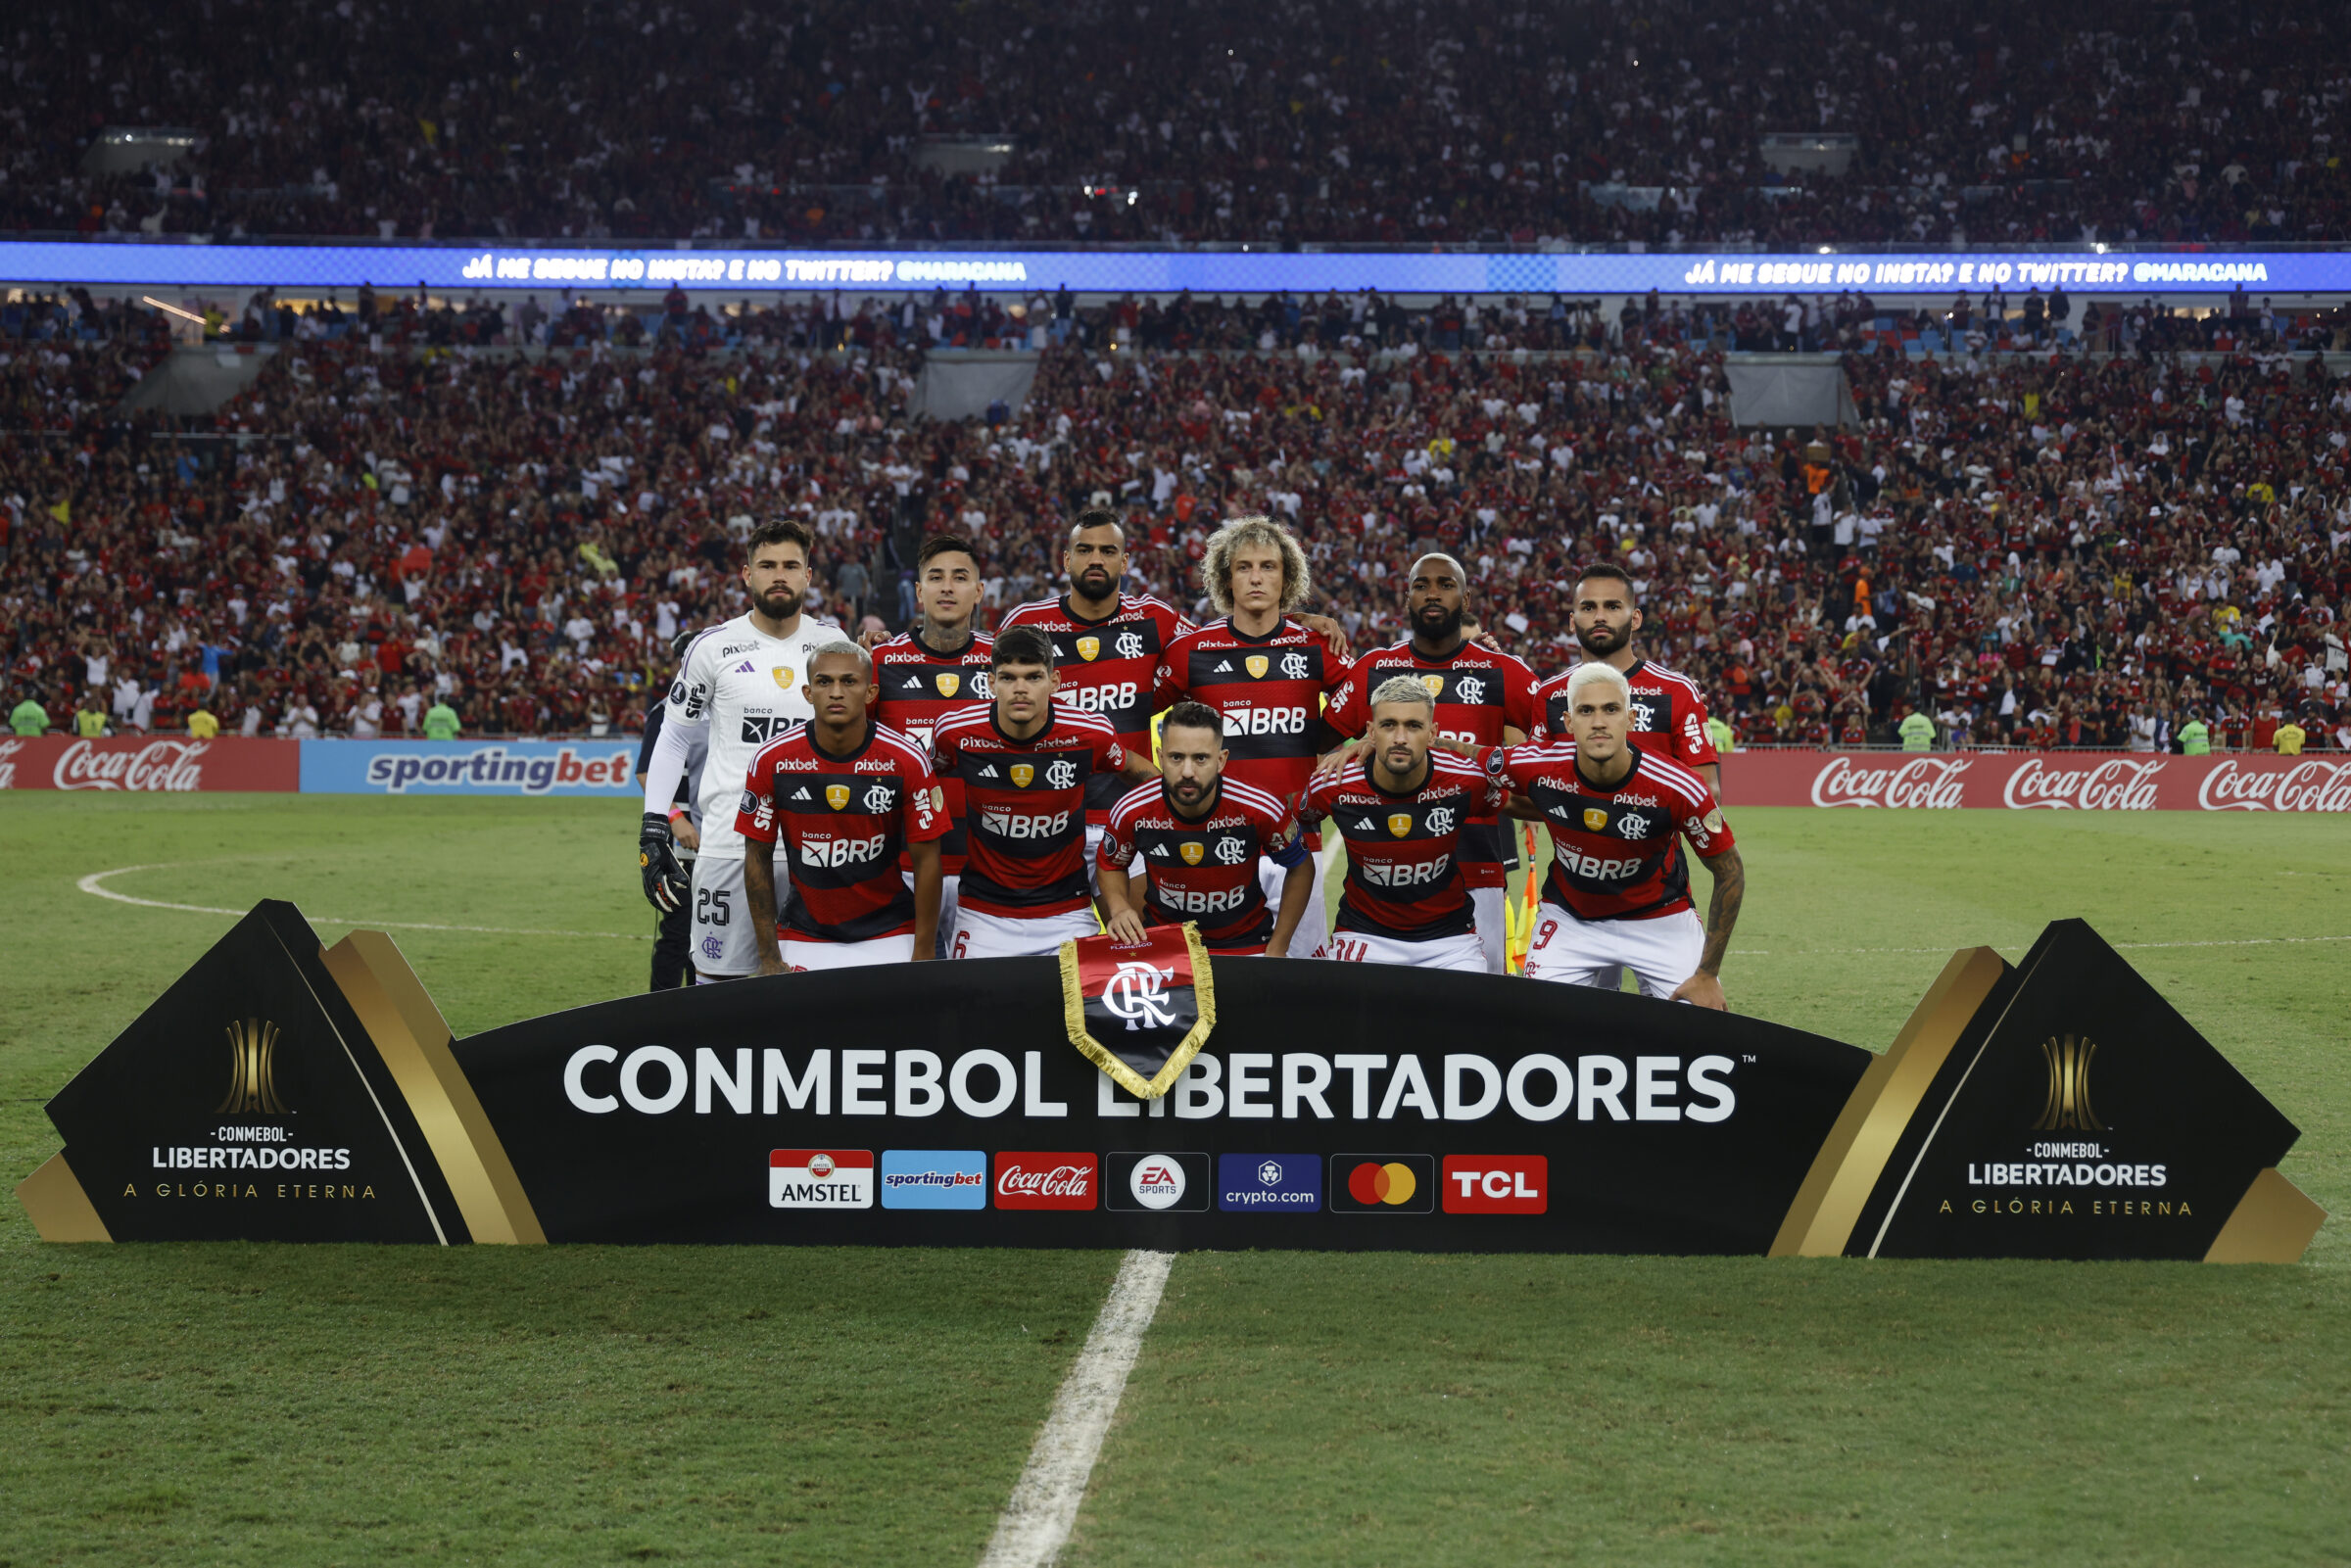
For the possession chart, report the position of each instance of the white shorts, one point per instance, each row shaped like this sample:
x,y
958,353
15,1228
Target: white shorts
x,y
1463,952
1313,926
1662,952
1493,927
812,958
1093,847
723,946
978,934
951,894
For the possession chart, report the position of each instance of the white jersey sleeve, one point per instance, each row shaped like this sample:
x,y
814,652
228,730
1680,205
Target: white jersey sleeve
x,y
684,726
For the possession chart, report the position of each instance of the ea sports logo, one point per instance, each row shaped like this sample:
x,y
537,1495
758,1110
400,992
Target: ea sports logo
x,y
1157,1182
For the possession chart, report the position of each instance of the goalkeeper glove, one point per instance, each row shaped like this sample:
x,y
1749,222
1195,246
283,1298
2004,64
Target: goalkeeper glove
x,y
666,884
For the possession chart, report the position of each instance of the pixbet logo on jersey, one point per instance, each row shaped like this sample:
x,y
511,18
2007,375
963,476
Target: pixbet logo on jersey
x,y
819,1178
1496,1184
1030,1180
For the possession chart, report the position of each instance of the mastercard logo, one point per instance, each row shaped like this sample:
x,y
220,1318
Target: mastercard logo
x,y
1392,1184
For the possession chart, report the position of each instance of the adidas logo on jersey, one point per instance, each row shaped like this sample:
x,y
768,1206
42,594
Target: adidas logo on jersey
x,y
1161,850
744,668
988,772
914,683
1224,667
801,795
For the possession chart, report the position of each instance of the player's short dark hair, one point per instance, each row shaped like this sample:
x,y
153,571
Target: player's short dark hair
x,y
938,545
1022,645
1194,716
1606,569
1097,517
780,531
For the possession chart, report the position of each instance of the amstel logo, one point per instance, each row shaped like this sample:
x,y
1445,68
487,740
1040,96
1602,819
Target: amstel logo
x,y
252,1072
2068,1109
837,796
1257,665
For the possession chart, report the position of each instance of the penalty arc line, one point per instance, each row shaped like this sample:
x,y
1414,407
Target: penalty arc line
x,y
1037,1518
95,885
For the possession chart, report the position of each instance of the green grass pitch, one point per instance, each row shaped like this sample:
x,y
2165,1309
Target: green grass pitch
x,y
353,1405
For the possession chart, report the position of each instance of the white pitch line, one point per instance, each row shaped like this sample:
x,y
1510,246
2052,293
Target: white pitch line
x,y
1036,1520
94,883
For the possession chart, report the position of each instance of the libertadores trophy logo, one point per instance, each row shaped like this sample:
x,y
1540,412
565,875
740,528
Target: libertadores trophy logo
x,y
2068,1107
252,1072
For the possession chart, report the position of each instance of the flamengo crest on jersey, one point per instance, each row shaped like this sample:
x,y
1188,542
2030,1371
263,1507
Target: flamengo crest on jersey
x,y
919,687
1665,704
1024,806
745,689
1615,852
1404,871
844,820
1202,869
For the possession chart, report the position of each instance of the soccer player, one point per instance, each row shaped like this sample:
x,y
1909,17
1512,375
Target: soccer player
x,y
1667,709
1618,892
673,933
1028,766
846,797
1405,810
741,683
1198,835
1483,697
1265,673
937,665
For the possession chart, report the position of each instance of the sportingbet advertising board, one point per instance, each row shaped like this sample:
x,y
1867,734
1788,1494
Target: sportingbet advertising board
x,y
468,767
2056,1108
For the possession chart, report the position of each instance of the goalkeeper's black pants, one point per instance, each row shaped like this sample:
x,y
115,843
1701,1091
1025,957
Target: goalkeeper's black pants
x,y
672,945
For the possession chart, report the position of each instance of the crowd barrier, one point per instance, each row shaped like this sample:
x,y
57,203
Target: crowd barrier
x,y
2016,780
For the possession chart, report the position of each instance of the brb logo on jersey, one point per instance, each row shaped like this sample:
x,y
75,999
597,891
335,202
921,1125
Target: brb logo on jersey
x,y
1024,824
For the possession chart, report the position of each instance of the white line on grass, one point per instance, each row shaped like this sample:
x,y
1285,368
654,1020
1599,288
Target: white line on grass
x,y
95,883
1036,1520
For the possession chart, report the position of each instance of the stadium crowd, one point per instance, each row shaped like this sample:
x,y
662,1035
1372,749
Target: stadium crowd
x,y
1438,122
2046,548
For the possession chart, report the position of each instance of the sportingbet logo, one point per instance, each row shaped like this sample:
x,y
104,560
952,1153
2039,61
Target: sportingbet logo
x,y
934,1179
819,1178
843,852
1496,1184
1024,824
1026,1180
499,768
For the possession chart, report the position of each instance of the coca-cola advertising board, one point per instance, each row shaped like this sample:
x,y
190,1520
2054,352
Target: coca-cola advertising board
x,y
2037,781
177,763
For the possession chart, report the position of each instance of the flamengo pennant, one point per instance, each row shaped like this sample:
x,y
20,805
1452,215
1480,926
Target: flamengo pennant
x,y
1140,1011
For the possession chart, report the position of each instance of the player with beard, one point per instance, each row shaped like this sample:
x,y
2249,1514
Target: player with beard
x,y
1618,893
846,797
1198,835
1667,711
927,672
1483,697
740,685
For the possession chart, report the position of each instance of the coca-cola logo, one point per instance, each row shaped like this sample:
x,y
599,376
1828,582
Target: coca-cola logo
x,y
2116,784
1912,782
2312,786
1033,1180
156,765
8,767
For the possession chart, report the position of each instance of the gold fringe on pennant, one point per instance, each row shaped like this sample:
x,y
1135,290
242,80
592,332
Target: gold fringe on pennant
x,y
1073,1014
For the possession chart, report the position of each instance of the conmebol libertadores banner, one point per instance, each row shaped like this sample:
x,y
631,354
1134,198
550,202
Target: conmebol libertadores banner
x,y
2055,1109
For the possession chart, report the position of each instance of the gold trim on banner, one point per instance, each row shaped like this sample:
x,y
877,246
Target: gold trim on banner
x,y
1820,1223
1073,1015
2272,1223
413,1043
61,1210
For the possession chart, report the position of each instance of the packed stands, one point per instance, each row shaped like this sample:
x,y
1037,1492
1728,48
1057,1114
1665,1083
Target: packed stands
x,y
2069,548
1438,122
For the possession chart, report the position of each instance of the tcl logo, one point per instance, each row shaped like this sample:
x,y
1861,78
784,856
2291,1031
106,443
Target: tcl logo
x,y
1113,696
1265,721
1026,1181
1496,1184
1023,825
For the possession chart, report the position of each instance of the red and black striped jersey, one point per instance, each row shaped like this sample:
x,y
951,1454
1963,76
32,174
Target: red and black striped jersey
x,y
1204,867
920,685
1269,690
1478,693
1665,704
1403,851
1108,666
1615,852
1024,805
844,820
